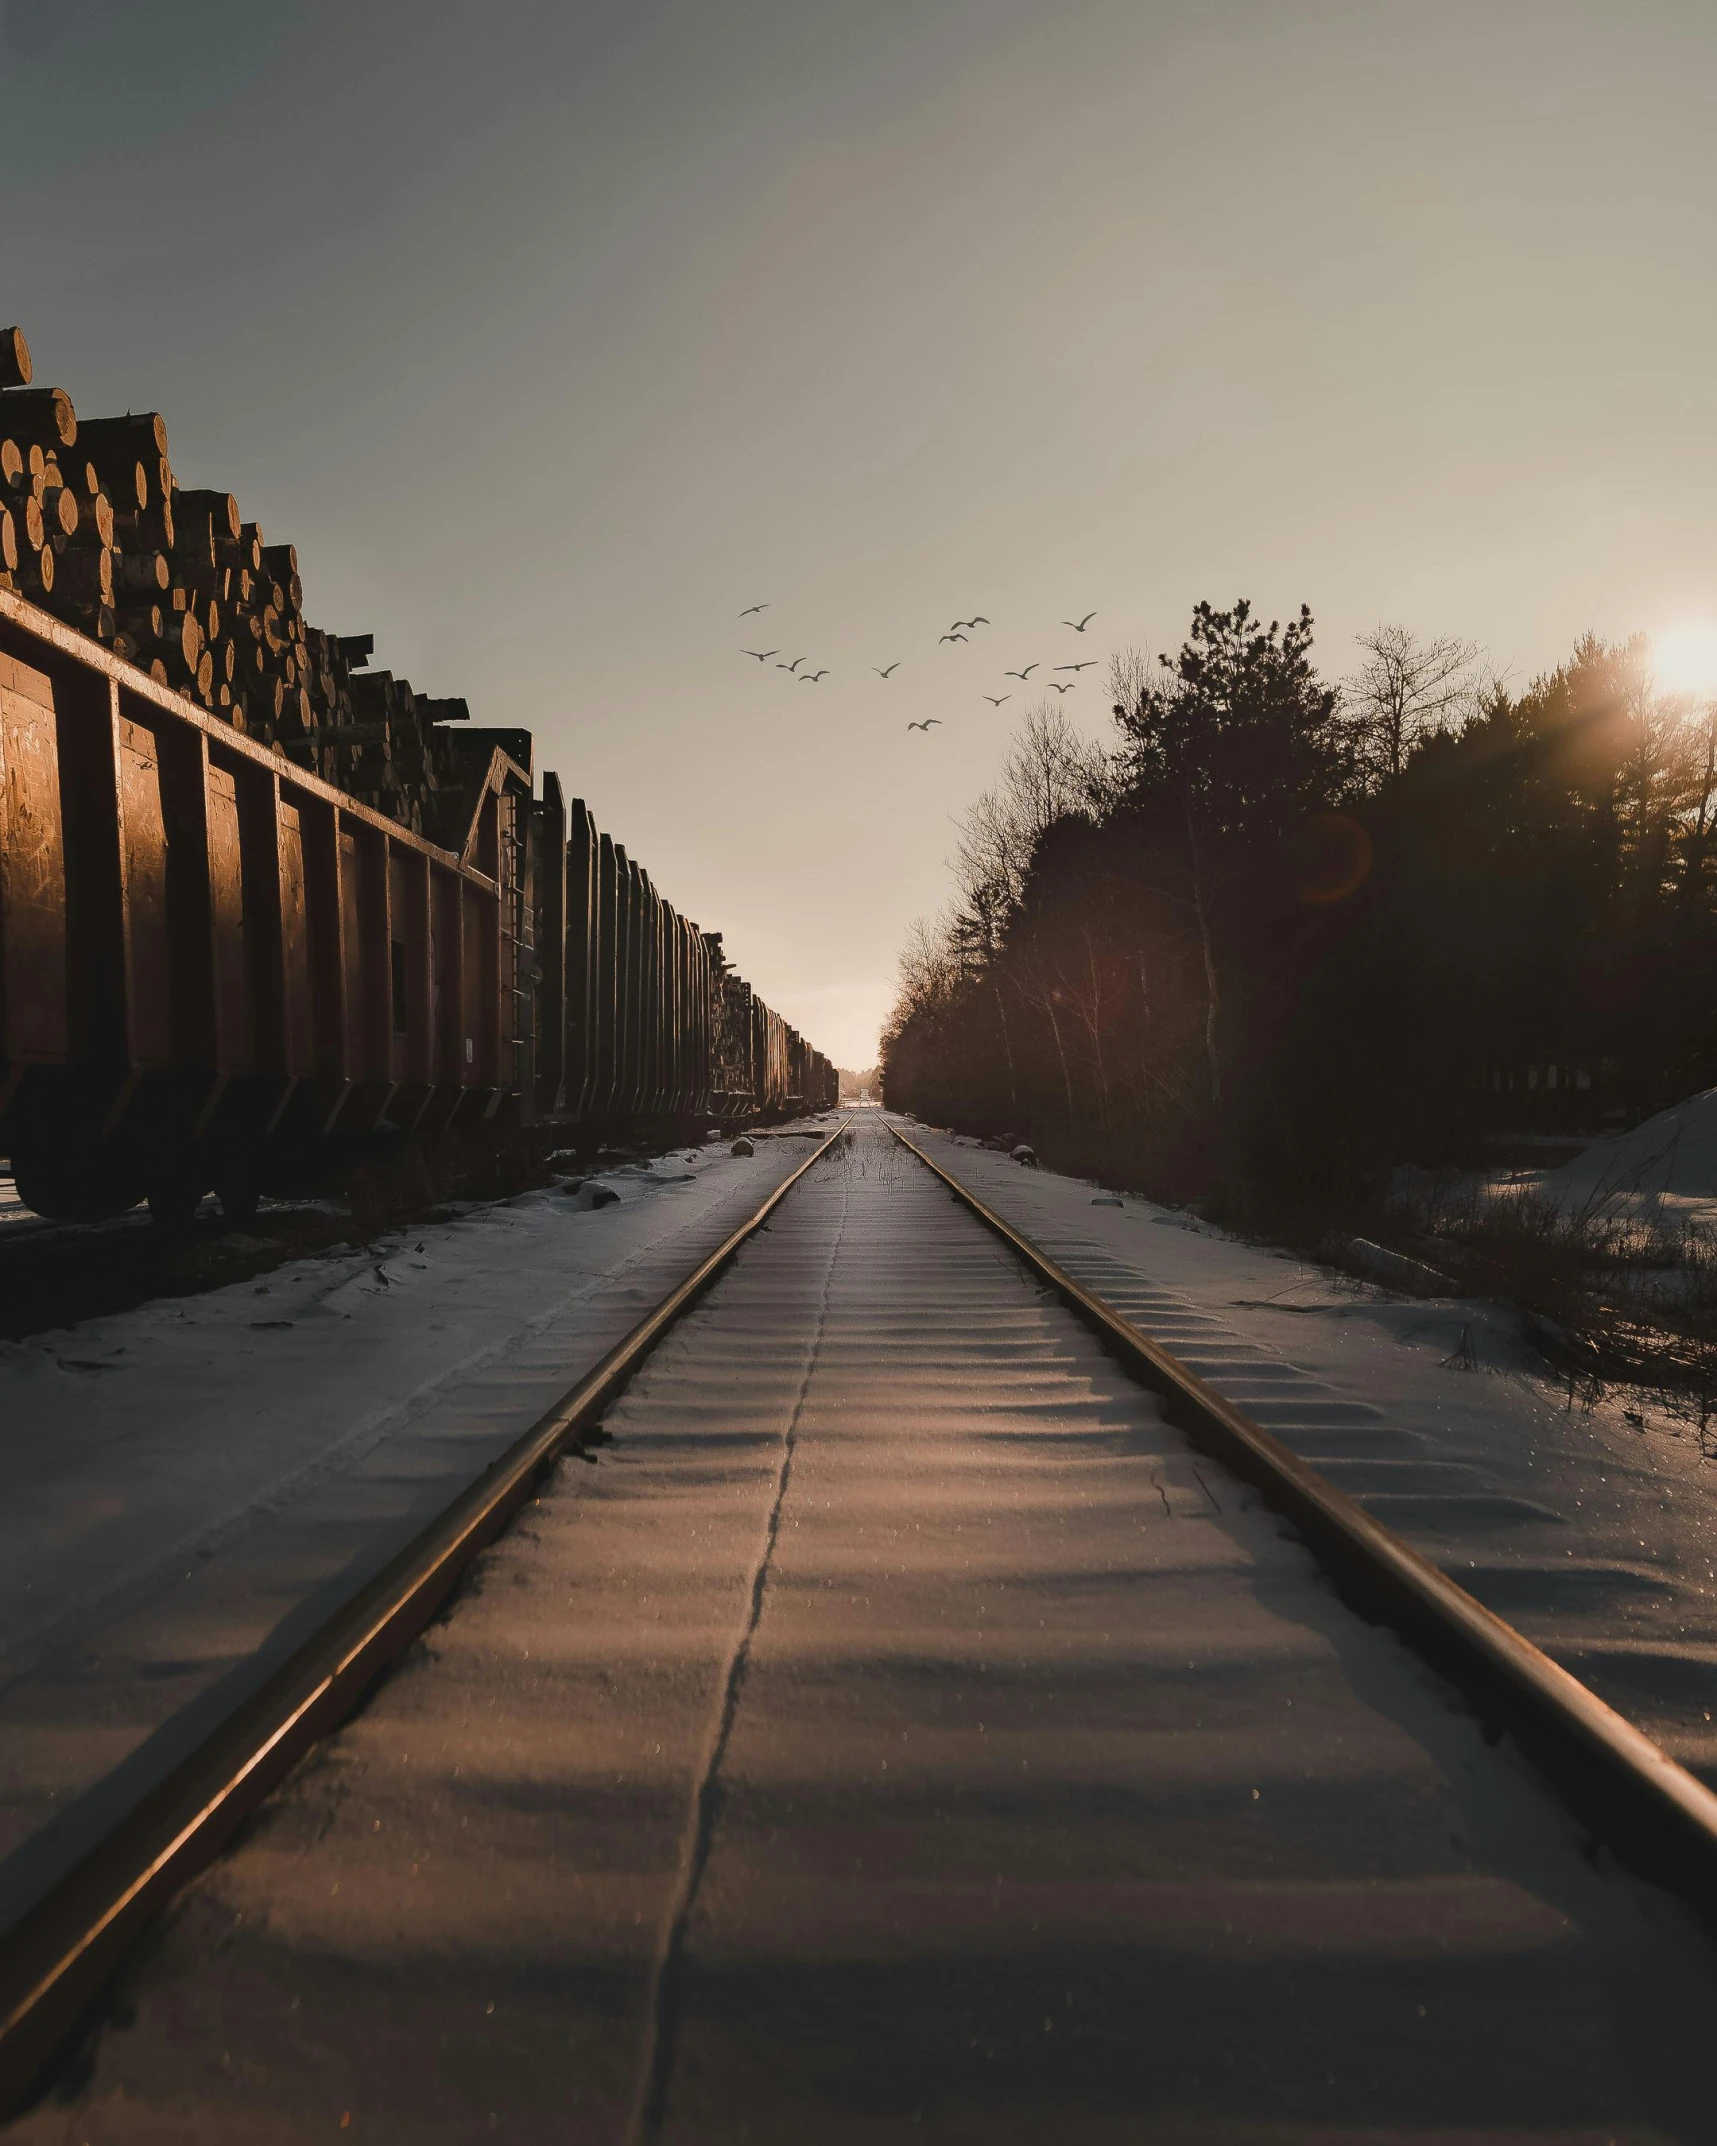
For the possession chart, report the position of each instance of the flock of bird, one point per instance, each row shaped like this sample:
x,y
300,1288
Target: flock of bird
x,y
961,630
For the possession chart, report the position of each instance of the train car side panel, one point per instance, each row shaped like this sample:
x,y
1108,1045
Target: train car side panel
x,y
549,1011
34,1012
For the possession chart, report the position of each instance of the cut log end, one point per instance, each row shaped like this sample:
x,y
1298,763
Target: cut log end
x,y
15,367
39,413
219,509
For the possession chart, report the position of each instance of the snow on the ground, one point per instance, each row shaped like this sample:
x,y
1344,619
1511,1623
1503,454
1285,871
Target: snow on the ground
x,y
1664,1170
185,1486
1593,1533
1036,1788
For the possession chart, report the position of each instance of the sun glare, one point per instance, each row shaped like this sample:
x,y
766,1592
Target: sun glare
x,y
1685,660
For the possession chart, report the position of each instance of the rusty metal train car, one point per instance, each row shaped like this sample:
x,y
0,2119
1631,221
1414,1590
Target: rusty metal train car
x,y
214,961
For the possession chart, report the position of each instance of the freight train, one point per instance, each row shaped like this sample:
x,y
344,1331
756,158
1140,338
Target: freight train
x,y
215,964
260,903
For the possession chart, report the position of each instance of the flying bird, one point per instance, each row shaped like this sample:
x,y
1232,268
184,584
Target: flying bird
x,y
894,666
751,610
1080,625
793,666
1090,663
1022,676
954,637
995,700
762,654
925,725
978,619
810,678
1054,688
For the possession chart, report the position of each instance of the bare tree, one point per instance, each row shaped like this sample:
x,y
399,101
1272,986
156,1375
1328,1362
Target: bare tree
x,y
1054,769
1405,690
1656,774
1040,986
992,851
1699,814
929,968
1132,674
1097,992
1051,770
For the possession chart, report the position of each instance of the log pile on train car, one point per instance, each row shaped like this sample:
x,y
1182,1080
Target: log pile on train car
x,y
256,898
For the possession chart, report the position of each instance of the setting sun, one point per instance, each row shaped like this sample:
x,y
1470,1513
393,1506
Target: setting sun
x,y
1686,659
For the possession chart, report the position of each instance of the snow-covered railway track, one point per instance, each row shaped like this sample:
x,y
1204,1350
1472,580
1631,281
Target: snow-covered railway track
x,y
56,1956
902,1726
1587,1523
1653,1814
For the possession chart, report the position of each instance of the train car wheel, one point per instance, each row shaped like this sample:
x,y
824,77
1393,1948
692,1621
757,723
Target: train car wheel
x,y
79,1188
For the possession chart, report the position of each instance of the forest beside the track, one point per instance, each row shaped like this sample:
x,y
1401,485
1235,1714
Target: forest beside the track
x,y
1353,959
1285,932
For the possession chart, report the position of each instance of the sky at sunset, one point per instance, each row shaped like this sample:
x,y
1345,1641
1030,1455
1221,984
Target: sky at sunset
x,y
554,336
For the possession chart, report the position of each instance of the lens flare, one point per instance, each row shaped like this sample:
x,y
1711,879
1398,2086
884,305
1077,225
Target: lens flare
x,y
1685,660
1329,858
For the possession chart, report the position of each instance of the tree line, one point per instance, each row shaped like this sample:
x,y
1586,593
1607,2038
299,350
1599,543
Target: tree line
x,y
1282,931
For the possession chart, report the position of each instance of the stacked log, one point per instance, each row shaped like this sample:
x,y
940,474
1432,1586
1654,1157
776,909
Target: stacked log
x,y
96,528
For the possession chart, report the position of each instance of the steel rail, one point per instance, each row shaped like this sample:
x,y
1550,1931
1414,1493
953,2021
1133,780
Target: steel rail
x,y
1653,1815
55,1959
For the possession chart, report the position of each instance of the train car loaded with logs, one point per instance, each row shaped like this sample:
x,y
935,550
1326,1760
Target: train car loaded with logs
x,y
260,903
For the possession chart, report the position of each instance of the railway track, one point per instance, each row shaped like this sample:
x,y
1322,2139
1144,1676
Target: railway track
x,y
1583,1525
55,1958
882,1503
1653,1814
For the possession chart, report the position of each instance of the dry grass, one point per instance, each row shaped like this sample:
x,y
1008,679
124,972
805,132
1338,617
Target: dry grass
x,y
1610,1295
